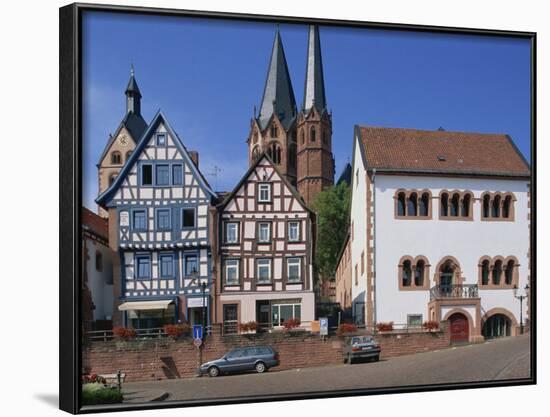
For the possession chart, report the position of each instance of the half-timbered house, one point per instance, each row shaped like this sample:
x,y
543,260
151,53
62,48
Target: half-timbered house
x,y
265,240
159,227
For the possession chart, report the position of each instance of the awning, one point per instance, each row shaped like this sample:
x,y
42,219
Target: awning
x,y
145,305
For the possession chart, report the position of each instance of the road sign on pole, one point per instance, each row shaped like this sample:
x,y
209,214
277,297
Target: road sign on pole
x,y
323,324
197,331
197,342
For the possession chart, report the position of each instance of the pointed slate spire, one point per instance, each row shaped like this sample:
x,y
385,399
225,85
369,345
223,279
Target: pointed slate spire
x,y
314,91
133,95
278,95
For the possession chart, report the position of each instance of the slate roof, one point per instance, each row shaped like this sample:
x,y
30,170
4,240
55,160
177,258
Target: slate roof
x,y
132,86
278,97
440,151
94,223
345,176
314,89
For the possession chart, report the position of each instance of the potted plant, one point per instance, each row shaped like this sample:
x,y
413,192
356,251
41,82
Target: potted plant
x,y
248,328
431,325
175,331
124,332
290,324
384,326
345,328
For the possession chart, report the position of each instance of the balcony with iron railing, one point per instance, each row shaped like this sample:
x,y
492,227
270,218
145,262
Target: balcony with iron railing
x,y
462,291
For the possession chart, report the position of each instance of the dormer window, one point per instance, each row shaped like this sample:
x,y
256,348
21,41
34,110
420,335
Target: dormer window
x,y
161,139
264,193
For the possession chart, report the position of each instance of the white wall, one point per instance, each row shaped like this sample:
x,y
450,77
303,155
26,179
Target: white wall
x,y
467,241
102,294
358,239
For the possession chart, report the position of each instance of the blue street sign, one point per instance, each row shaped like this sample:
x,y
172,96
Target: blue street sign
x,y
197,331
323,324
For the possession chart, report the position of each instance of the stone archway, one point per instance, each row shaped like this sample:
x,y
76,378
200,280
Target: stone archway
x,y
461,325
501,331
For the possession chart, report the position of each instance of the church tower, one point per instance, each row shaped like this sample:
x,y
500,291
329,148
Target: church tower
x,y
315,163
273,130
122,143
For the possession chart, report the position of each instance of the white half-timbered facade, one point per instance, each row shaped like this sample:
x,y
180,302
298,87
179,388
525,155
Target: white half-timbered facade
x,y
159,219
265,235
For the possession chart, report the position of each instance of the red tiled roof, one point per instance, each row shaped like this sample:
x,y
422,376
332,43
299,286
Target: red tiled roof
x,y
95,223
440,151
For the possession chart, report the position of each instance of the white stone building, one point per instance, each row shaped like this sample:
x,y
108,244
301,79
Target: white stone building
x,y
439,230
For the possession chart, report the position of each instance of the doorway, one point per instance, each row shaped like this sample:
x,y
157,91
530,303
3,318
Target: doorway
x,y
460,330
497,325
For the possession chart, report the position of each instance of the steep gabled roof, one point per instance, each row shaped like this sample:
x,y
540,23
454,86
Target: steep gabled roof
x,y
278,97
263,156
104,197
134,123
314,89
439,151
94,224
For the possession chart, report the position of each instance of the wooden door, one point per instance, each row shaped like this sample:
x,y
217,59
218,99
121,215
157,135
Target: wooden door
x,y
460,332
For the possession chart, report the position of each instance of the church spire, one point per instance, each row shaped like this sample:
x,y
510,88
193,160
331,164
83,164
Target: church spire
x,y
314,90
133,95
278,95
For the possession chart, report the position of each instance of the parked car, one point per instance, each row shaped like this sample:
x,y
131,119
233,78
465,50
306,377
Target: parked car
x,y
249,358
361,347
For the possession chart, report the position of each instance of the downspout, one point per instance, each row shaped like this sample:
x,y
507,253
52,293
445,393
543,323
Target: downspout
x,y
374,245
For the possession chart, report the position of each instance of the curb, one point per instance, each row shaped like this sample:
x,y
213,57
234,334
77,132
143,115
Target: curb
x,y
160,397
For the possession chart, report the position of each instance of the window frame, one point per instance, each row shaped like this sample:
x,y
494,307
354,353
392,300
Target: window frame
x,y
268,263
409,316
137,258
298,230
237,234
160,265
269,192
143,211
157,217
157,139
226,267
180,177
288,266
185,259
156,179
268,240
194,209
141,167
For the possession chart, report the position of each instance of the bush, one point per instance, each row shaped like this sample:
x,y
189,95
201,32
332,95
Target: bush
x,y
431,325
291,323
177,330
346,328
124,333
96,393
250,326
385,327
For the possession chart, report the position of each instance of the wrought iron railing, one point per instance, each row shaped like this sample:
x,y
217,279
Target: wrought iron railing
x,y
454,291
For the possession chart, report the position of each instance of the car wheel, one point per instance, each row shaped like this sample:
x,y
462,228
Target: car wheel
x,y
377,358
213,371
260,367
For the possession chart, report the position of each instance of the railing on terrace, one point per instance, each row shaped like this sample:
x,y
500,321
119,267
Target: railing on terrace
x,y
454,291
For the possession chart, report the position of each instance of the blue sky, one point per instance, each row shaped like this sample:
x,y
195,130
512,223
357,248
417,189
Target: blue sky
x,y
207,76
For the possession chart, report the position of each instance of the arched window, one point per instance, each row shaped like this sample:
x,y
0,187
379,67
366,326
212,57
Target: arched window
x,y
419,273
485,272
447,272
495,208
303,136
509,273
465,207
407,273
424,204
255,138
454,204
116,159
444,204
313,134
412,205
128,154
274,152
506,206
401,204
112,179
255,153
486,205
497,272
274,131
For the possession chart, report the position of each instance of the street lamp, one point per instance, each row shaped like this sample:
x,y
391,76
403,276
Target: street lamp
x,y
521,298
195,280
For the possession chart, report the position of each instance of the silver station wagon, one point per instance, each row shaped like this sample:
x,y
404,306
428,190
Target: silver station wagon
x,y
248,358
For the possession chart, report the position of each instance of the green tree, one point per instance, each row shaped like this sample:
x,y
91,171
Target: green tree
x,y
332,207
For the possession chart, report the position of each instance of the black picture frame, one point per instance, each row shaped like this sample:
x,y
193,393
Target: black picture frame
x,y
70,181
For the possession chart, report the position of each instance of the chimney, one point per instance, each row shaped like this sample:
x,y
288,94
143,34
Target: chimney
x,y
194,157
